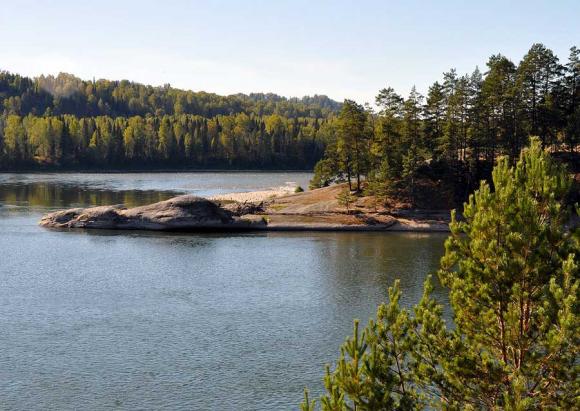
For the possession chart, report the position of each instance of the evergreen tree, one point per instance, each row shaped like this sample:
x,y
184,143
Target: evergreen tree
x,y
537,76
434,112
345,199
352,144
412,139
572,99
498,92
386,147
379,184
511,270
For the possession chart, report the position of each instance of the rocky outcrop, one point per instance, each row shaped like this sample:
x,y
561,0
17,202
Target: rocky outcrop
x,y
180,213
245,208
316,210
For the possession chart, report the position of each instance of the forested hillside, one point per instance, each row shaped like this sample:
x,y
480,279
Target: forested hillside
x,y
442,145
453,135
64,121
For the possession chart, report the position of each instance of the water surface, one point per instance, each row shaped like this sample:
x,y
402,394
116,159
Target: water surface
x,y
145,320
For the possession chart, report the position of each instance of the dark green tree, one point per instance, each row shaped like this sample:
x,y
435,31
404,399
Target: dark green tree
x,y
352,142
511,270
412,139
538,75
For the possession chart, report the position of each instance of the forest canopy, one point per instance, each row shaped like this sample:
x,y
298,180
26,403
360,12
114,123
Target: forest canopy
x,y
510,273
63,121
454,133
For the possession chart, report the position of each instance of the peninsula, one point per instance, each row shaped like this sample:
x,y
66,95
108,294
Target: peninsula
x,y
275,210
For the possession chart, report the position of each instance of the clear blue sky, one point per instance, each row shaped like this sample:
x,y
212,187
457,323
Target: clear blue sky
x,y
345,49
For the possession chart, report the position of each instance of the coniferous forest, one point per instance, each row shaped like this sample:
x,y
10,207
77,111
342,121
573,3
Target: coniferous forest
x,y
510,271
453,136
65,122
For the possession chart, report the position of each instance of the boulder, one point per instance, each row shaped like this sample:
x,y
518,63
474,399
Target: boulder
x,y
180,213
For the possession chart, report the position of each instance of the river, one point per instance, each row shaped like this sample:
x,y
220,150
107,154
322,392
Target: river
x,y
148,320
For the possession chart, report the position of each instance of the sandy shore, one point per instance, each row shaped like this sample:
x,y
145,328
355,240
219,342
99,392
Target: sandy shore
x,y
318,210
255,196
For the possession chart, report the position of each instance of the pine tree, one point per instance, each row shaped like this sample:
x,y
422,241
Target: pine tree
x,y
378,184
572,90
511,270
434,112
512,273
386,147
352,147
412,139
498,90
345,199
538,74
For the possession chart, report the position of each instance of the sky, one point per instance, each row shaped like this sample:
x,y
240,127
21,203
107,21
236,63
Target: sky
x,y
343,49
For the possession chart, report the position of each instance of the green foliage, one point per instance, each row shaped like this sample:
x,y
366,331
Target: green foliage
x,y
307,404
170,141
504,264
299,189
325,172
465,124
462,127
352,147
378,185
65,121
67,94
512,273
371,372
346,198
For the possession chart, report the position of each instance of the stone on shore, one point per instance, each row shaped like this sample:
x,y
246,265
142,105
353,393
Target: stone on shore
x,y
180,213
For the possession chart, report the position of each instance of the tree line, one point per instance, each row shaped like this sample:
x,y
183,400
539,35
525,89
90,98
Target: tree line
x,y
178,141
67,94
63,121
460,128
453,135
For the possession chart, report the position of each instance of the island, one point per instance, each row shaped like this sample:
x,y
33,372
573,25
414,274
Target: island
x,y
271,210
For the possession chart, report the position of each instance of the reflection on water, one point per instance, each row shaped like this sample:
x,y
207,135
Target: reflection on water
x,y
51,195
56,190
146,320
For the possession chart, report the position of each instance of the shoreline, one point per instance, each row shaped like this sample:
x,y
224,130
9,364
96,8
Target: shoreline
x,y
152,171
328,217
398,225
268,210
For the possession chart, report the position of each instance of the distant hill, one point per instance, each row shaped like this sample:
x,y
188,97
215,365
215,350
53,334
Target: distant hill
x,y
67,94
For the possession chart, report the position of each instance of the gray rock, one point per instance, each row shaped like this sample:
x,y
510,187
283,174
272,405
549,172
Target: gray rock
x,y
245,208
180,213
